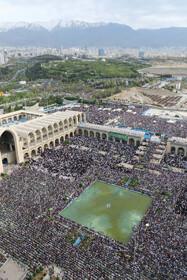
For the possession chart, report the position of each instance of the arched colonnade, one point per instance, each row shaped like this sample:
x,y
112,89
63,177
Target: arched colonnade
x,y
14,117
50,144
104,136
182,151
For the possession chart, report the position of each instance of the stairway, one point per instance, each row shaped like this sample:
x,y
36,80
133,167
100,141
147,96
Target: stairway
x,y
158,153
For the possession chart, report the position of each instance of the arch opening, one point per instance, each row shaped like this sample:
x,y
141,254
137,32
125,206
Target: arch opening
x,y
45,146
56,142
86,133
26,156
98,135
104,136
74,121
39,150
137,143
7,146
51,144
33,153
5,161
131,141
181,151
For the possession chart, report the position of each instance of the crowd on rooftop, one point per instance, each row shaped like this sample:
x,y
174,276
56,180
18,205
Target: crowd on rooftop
x,y
122,115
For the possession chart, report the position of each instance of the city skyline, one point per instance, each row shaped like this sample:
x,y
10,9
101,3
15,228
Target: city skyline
x,y
137,13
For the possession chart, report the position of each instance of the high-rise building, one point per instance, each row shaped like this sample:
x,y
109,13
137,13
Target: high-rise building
x,y
101,52
141,54
2,59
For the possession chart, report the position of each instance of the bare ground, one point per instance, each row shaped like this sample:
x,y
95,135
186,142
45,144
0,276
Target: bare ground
x,y
132,95
159,97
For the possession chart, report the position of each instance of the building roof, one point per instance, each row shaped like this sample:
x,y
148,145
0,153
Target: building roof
x,y
31,125
9,115
178,140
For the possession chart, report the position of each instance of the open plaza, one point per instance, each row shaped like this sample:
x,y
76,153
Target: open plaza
x,y
99,201
108,209
171,115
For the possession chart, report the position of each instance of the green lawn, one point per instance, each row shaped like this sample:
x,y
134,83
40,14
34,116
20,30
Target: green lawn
x,y
109,210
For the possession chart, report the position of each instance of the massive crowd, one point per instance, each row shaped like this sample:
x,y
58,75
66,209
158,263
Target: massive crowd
x,y
110,147
101,114
175,161
33,232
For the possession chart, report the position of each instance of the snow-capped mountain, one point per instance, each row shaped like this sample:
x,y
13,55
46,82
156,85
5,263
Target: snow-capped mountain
x,y
77,23
68,34
48,25
69,24
6,26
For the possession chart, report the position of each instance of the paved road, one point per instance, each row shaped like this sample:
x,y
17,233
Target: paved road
x,y
14,77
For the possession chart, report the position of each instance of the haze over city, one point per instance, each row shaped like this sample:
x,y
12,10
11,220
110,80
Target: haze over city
x,y
137,14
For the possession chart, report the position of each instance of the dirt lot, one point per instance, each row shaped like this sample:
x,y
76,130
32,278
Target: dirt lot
x,y
159,97
172,68
131,95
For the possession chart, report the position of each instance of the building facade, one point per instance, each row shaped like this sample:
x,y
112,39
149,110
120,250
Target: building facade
x,y
177,145
24,134
104,132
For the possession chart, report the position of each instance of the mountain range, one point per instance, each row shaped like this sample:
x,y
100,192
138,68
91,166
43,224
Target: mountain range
x,y
80,34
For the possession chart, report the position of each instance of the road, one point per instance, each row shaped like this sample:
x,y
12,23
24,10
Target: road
x,y
14,77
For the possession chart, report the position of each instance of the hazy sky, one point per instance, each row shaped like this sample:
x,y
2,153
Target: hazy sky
x,y
136,13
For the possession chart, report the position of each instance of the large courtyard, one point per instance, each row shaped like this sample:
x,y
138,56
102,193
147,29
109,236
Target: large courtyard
x,y
108,209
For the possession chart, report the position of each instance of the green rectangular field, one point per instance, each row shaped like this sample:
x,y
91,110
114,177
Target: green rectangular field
x,y
109,210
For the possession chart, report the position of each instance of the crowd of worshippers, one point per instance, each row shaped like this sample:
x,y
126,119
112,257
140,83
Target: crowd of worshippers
x,y
177,161
72,162
33,232
110,147
101,114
